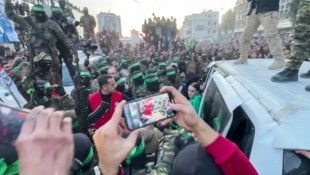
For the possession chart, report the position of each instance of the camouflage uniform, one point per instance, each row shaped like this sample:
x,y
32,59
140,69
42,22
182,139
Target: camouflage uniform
x,y
139,92
88,22
51,33
300,51
165,157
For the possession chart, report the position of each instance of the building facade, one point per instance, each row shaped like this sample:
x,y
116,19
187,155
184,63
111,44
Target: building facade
x,y
285,19
201,27
109,21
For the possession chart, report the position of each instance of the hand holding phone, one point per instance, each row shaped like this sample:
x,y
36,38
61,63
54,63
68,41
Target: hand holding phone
x,y
11,120
148,110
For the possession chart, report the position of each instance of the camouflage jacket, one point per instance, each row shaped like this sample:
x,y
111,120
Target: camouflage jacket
x,y
48,29
139,92
88,22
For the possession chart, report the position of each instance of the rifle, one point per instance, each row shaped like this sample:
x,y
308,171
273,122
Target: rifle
x,y
81,98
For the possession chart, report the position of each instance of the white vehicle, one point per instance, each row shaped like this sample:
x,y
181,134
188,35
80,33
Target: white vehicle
x,y
66,78
268,121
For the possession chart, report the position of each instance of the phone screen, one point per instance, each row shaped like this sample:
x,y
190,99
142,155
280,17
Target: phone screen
x,y
11,120
147,111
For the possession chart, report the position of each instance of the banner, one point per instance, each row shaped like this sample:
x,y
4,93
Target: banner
x,y
7,83
7,32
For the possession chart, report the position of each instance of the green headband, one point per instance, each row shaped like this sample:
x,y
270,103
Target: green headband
x,y
85,74
169,73
120,81
137,75
56,9
136,151
101,69
162,64
122,61
89,156
134,65
151,79
9,169
37,8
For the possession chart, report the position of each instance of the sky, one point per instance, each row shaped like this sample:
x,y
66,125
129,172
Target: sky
x,y
134,12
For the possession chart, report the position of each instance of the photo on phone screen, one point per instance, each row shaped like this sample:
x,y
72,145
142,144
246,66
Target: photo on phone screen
x,y
11,120
147,111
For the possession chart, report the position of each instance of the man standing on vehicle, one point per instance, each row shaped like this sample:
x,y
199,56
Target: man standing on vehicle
x,y
265,13
301,46
103,102
88,23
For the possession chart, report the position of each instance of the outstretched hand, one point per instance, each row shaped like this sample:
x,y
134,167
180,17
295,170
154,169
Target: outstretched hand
x,y
186,116
111,146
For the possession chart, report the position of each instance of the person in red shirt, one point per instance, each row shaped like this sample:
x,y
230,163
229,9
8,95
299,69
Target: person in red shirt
x,y
112,148
107,94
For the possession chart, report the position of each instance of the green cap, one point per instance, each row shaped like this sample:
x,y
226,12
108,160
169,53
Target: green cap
x,y
162,64
85,9
37,8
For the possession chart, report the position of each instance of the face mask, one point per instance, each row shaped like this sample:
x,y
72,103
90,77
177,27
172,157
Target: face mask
x,y
40,16
56,16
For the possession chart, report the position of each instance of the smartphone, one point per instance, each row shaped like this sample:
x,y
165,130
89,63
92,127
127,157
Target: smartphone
x,y
149,110
11,120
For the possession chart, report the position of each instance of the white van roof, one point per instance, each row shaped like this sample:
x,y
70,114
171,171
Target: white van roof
x,y
287,103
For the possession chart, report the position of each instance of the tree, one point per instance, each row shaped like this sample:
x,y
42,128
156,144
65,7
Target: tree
x,y
228,21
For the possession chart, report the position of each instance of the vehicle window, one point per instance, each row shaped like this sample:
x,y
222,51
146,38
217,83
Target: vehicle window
x,y
214,108
242,131
295,164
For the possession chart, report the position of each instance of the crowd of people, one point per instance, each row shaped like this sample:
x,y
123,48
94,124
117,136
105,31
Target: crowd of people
x,y
91,136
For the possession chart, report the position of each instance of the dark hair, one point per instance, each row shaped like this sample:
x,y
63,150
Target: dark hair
x,y
103,79
195,85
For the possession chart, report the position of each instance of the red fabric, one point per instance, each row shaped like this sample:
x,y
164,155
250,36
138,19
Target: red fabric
x,y
148,109
230,158
95,99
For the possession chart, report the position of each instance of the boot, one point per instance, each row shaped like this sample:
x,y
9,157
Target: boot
x,y
307,88
286,75
241,61
305,75
277,64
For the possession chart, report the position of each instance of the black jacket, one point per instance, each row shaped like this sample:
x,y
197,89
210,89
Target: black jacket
x,y
263,6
